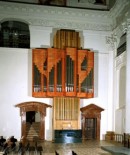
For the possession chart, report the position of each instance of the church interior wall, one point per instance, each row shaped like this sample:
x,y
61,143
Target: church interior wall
x,y
16,76
16,81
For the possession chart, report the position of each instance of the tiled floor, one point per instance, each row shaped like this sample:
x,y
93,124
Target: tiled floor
x,y
89,147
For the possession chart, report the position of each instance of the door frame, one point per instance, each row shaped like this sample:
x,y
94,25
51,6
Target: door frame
x,y
37,107
91,111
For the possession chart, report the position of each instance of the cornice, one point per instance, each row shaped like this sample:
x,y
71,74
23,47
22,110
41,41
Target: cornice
x,y
126,26
60,17
38,10
56,16
119,12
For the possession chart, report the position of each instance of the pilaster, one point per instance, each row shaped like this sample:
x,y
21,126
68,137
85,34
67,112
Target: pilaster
x,y
127,30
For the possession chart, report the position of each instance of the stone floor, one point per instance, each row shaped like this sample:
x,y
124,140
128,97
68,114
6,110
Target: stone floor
x,y
89,147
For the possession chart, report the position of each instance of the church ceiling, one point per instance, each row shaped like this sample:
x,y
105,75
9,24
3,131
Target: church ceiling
x,y
84,4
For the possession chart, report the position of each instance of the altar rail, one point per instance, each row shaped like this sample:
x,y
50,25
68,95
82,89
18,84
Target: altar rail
x,y
120,138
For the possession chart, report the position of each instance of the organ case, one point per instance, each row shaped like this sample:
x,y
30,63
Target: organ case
x,y
63,72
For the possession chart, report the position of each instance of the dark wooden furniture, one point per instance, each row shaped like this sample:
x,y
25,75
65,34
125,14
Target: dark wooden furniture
x,y
126,140
33,106
91,116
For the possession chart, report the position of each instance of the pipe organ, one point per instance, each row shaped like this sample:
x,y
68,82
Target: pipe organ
x,y
63,73
66,73
66,38
66,113
66,120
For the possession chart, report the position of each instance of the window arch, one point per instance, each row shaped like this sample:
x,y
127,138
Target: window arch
x,y
14,34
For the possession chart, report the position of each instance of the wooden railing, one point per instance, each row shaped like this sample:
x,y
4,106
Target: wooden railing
x,y
121,138
118,138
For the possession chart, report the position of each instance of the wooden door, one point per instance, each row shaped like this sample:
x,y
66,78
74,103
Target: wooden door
x,y
90,127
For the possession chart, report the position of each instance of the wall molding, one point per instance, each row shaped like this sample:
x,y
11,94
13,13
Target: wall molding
x,y
59,17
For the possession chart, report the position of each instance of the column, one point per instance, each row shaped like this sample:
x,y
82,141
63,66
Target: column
x,y
111,42
127,121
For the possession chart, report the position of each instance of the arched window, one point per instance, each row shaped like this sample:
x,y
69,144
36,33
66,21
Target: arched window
x,y
14,34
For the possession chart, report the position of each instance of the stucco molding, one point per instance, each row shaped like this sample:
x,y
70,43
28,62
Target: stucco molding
x,y
119,12
126,26
57,16
60,17
59,24
120,60
111,41
41,11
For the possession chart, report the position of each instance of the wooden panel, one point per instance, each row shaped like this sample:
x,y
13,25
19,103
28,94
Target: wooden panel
x,y
39,73
85,74
66,38
56,63
58,72
71,71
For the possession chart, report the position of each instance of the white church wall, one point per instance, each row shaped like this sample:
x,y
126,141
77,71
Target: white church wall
x,y
127,125
16,71
122,87
103,77
119,100
120,121
17,82
14,88
40,36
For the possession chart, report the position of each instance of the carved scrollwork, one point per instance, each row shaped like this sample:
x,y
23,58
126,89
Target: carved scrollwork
x,y
112,41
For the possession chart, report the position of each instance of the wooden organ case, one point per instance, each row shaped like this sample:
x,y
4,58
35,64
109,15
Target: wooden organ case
x,y
60,72
64,71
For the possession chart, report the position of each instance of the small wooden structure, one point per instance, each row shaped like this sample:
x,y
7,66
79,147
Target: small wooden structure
x,y
33,106
91,115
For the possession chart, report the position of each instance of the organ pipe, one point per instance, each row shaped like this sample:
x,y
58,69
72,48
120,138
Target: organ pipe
x,y
66,108
67,72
